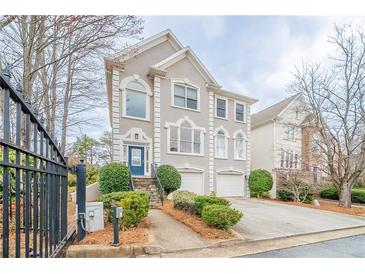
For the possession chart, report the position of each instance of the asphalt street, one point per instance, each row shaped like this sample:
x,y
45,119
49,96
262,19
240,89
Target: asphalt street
x,y
351,247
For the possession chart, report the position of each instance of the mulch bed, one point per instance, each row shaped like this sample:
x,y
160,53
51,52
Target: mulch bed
x,y
136,235
329,206
195,223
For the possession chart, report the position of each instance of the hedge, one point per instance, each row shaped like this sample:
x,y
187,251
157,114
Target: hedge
x,y
330,192
170,178
135,206
114,177
202,201
260,181
184,200
221,216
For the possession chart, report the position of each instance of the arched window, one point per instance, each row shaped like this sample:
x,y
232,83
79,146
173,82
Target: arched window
x,y
135,95
184,137
221,143
240,146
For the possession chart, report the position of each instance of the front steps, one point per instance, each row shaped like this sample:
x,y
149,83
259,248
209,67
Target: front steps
x,y
146,184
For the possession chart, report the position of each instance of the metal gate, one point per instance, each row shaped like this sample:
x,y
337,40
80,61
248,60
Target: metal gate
x,y
33,180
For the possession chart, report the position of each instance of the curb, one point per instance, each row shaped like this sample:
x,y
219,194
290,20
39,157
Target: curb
x,y
153,251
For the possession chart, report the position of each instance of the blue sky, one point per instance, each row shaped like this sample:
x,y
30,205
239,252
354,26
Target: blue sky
x,y
252,55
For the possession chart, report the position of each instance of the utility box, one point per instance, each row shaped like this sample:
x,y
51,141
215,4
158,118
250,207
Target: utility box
x,y
94,216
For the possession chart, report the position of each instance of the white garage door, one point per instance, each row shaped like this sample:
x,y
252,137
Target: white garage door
x,y
192,181
230,185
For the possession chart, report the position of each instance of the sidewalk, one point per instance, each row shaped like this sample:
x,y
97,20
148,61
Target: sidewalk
x,y
172,235
242,248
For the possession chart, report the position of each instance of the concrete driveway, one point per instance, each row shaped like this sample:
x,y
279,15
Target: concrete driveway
x,y
266,220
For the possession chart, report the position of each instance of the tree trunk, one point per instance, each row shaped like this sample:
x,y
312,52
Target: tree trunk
x,y
345,195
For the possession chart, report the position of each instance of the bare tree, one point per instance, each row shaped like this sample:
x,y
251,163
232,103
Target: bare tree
x,y
335,96
58,59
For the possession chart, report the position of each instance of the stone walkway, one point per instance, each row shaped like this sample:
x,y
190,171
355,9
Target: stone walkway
x,y
171,234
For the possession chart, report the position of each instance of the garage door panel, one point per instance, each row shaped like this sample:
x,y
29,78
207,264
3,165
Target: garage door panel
x,y
230,185
192,181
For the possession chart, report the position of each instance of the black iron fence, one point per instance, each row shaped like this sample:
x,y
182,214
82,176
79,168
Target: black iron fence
x,y
33,180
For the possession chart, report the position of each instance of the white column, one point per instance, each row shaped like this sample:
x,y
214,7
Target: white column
x,y
211,142
116,111
248,156
157,120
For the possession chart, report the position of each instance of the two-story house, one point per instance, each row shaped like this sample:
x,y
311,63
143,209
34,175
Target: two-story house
x,y
166,108
284,141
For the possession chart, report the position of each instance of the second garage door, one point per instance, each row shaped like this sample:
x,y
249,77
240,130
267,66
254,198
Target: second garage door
x,y
230,185
192,181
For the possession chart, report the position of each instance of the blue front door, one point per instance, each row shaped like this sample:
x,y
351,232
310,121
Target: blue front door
x,y
136,160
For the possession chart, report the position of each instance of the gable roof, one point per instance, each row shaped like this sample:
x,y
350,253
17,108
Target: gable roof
x,y
188,53
270,113
146,44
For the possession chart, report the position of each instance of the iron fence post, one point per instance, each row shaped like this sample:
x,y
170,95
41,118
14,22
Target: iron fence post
x,y
81,199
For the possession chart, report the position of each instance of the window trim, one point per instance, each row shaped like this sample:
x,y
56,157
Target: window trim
x,y
193,127
244,112
184,82
123,89
288,126
226,135
216,105
235,152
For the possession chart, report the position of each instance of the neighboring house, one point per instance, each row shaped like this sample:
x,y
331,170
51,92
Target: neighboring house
x,y
284,142
166,108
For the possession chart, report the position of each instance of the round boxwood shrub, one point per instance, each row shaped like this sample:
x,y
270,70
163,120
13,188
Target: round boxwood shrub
x,y
184,200
221,216
169,177
114,177
260,181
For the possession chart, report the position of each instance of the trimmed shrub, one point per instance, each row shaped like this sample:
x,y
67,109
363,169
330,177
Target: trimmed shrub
x,y
92,175
184,200
221,216
169,177
202,201
358,195
260,181
329,192
135,206
114,177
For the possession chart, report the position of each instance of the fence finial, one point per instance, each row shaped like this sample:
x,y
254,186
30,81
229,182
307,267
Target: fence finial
x,y
7,73
36,113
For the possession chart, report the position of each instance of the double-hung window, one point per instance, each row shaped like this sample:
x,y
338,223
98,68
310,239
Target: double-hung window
x,y
185,96
136,98
221,108
239,112
185,139
220,145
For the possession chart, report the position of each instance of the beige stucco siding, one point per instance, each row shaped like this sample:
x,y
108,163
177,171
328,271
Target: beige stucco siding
x,y
184,69
139,65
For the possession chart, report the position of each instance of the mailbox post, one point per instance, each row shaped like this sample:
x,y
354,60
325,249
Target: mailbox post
x,y
117,214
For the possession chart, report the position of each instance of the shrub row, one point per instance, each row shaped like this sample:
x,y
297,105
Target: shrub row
x,y
135,206
214,211
331,192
